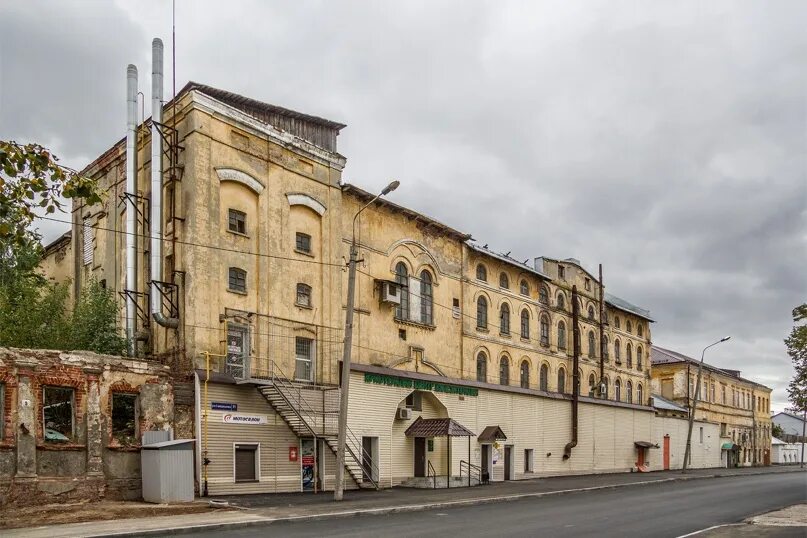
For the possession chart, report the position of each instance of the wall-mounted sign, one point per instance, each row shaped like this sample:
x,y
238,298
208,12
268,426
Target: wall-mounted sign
x,y
419,384
293,453
223,406
232,418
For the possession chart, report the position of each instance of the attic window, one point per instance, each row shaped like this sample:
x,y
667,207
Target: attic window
x,y
561,272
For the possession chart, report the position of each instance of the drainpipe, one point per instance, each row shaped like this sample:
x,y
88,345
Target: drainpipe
x,y
602,334
567,450
157,186
131,207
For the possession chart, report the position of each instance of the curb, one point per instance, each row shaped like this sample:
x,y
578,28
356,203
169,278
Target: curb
x,y
268,520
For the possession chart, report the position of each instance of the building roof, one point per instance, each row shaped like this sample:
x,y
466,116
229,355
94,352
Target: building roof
x,y
667,405
492,433
59,241
622,304
791,415
437,427
775,441
506,259
419,218
660,355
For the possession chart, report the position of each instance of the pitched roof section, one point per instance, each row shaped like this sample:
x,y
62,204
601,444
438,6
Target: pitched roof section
x,y
622,304
506,259
318,131
667,405
660,355
437,427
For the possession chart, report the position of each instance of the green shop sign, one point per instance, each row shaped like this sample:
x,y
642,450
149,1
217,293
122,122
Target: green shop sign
x,y
418,384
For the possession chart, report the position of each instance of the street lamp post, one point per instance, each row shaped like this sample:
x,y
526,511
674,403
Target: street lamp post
x,y
343,400
688,452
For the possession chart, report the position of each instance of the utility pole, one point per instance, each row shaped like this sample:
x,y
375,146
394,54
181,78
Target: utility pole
x,y
348,345
688,452
803,434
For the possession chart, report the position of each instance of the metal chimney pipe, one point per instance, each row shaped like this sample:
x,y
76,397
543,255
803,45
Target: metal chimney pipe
x,y
157,185
131,206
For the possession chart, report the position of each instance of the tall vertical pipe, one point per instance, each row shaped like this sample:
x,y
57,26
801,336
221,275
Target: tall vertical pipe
x,y
157,185
567,450
131,206
603,343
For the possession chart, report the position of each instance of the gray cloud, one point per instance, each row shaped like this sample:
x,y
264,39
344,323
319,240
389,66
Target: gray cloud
x,y
664,140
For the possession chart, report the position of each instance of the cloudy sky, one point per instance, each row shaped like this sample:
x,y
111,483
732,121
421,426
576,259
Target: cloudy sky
x,y
665,140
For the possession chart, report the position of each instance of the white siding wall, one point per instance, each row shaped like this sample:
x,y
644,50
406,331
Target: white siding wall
x,y
704,455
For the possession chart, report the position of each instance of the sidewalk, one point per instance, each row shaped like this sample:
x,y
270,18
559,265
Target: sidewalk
x,y
785,523
265,509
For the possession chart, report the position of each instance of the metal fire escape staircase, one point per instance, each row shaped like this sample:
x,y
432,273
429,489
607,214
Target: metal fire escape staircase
x,y
289,401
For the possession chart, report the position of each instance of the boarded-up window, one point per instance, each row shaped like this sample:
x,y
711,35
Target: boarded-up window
x,y
667,388
246,463
87,245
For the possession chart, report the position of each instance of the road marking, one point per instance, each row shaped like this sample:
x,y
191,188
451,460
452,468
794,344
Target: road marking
x,y
702,531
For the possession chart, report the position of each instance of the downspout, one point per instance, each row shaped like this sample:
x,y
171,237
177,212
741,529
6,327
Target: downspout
x,y
131,207
157,186
602,334
567,450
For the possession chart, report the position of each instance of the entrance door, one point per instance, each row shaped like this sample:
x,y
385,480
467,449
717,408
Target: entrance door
x,y
420,456
666,452
508,462
485,463
307,463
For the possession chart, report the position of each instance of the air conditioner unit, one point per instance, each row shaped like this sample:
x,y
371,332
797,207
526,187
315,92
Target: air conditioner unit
x,y
404,413
390,292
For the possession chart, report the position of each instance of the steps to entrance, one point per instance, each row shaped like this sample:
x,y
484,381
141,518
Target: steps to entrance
x,y
428,482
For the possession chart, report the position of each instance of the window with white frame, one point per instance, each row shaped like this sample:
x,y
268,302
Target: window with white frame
x,y
528,460
237,350
417,296
304,354
524,288
87,252
246,462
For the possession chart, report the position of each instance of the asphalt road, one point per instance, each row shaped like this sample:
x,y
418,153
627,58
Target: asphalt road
x,y
659,510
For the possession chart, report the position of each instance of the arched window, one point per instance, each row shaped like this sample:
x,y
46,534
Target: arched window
x,y
303,295
640,329
616,322
592,343
639,395
561,335
628,326
482,367
561,302
524,288
606,387
543,294
617,352
482,312
629,355
426,303
504,371
629,392
504,319
525,375
525,324
639,358
237,280
591,312
561,380
481,273
402,278
544,329
592,382
544,377
504,282
605,347
618,390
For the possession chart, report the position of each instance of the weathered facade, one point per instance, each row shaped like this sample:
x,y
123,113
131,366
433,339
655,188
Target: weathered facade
x,y
740,406
72,424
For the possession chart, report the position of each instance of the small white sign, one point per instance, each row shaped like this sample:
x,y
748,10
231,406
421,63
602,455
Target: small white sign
x,y
232,418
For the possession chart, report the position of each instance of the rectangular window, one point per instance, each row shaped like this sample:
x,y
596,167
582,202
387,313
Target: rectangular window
x,y
588,284
303,243
237,221
414,401
528,460
124,418
237,351
246,462
701,434
561,272
303,348
87,245
238,280
57,414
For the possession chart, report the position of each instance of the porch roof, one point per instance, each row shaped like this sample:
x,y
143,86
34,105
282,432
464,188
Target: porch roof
x,y
437,427
492,433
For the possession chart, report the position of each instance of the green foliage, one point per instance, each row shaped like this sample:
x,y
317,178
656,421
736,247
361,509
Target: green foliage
x,y
30,179
777,431
797,349
93,326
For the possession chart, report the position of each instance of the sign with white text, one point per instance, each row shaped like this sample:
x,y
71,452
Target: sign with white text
x,y
232,418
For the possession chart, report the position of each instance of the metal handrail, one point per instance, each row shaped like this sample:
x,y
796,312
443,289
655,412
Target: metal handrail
x,y
279,379
431,472
471,467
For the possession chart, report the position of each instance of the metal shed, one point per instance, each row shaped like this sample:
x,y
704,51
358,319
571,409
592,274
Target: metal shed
x,y
167,471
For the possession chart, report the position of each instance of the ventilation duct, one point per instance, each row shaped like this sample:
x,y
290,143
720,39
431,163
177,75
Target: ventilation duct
x,y
131,206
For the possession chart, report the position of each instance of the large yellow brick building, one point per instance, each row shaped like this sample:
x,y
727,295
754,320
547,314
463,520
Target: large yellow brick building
x,y
463,364
740,406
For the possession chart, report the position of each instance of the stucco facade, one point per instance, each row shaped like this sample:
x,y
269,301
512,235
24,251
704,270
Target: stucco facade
x,y
740,406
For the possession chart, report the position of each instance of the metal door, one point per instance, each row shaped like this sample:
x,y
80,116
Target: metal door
x,y
666,452
420,456
508,462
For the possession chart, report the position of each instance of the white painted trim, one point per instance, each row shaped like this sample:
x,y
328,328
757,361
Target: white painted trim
x,y
247,122
299,198
232,174
257,459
